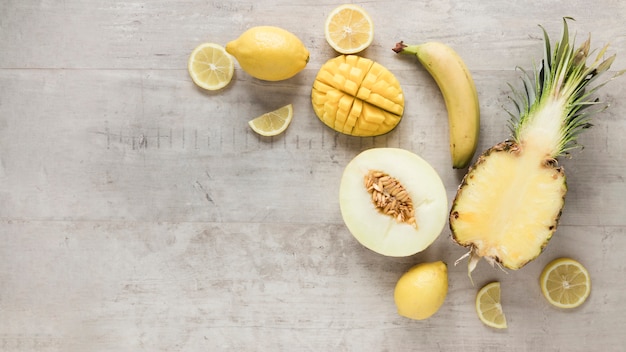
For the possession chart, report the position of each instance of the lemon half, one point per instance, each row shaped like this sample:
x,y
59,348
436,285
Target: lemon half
x,y
349,29
210,66
565,283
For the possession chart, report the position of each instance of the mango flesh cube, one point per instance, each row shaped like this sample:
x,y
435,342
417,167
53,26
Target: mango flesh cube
x,y
357,96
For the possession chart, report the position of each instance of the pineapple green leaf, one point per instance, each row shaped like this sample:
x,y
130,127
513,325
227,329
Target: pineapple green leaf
x,y
556,107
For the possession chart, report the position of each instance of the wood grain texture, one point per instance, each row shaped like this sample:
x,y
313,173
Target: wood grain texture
x,y
139,213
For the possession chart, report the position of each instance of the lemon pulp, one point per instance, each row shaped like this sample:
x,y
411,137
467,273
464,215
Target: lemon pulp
x,y
565,283
274,122
210,66
349,29
488,306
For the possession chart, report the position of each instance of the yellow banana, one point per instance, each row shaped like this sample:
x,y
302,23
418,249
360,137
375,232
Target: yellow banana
x,y
459,94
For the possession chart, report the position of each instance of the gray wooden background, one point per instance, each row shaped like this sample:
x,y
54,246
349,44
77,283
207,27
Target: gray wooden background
x,y
139,213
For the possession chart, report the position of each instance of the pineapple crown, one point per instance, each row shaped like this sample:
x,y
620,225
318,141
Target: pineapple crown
x,y
563,77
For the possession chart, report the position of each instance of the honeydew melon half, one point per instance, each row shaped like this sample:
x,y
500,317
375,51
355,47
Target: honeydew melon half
x,y
379,214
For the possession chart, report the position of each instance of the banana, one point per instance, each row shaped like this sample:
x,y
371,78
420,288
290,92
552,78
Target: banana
x,y
459,94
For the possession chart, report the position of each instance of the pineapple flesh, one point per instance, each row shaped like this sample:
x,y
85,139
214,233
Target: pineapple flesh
x,y
508,205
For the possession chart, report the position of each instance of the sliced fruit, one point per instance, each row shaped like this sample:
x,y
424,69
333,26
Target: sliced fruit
x,y
210,66
357,96
421,291
274,122
509,203
392,201
565,283
488,306
349,29
269,53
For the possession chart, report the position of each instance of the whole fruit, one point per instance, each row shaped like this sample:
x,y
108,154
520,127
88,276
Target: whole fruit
x,y
421,291
269,53
392,201
459,94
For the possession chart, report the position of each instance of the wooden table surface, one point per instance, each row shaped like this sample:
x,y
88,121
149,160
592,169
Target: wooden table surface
x,y
140,213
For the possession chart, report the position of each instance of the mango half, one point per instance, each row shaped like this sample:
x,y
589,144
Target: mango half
x,y
357,96
392,201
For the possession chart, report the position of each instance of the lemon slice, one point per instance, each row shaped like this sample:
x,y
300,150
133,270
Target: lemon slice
x,y
274,122
565,283
349,29
210,66
488,306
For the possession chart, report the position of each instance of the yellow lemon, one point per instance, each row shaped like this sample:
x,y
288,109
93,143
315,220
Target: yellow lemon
x,y
565,283
420,292
349,29
269,53
274,122
488,306
210,66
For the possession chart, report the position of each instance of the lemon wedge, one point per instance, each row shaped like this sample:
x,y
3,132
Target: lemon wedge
x,y
274,122
565,283
210,66
488,306
349,29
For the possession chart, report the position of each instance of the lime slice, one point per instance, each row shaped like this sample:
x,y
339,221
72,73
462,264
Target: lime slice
x,y
565,283
349,29
210,66
488,306
274,122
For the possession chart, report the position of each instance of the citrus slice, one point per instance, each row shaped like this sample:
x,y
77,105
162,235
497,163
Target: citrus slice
x,y
210,66
274,122
349,29
565,283
488,306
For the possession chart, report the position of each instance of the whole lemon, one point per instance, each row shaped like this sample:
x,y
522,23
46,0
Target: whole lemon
x,y
420,292
269,53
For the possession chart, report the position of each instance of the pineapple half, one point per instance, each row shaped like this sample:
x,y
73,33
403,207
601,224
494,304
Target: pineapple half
x,y
508,205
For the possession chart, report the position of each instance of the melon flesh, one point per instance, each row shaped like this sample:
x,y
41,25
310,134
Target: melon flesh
x,y
380,232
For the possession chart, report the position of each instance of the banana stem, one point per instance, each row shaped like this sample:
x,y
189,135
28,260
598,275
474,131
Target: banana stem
x,y
402,48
